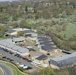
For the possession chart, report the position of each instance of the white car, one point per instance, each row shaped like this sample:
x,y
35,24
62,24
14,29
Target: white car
x,y
29,46
21,65
17,63
25,66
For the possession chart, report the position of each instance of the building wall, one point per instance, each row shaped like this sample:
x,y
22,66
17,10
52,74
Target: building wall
x,y
43,51
54,66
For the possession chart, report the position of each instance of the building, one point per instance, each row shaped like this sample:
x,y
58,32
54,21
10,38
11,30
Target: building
x,y
45,44
20,39
9,45
42,59
13,32
63,61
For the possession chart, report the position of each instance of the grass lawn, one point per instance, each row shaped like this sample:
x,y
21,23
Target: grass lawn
x,y
15,70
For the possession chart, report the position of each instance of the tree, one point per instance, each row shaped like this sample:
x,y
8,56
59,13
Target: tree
x,y
28,25
13,24
20,33
2,30
44,71
22,23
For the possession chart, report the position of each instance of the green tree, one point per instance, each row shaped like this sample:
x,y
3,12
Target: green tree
x,y
28,25
44,71
20,33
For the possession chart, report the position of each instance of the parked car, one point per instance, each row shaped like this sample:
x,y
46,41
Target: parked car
x,y
29,60
6,50
18,55
17,63
11,52
28,68
21,65
9,59
25,58
25,66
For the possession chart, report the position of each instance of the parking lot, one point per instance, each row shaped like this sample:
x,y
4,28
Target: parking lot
x,y
14,58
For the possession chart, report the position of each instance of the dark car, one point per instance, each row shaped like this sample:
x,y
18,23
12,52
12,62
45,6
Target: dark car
x,y
18,55
11,52
9,59
29,60
6,50
28,68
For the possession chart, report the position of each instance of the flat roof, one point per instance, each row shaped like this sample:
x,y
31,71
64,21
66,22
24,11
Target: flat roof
x,y
18,39
9,44
42,57
64,57
11,31
23,50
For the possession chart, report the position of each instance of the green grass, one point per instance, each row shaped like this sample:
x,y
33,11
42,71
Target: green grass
x,y
15,70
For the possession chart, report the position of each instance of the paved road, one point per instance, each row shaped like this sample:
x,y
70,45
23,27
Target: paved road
x,y
16,59
7,70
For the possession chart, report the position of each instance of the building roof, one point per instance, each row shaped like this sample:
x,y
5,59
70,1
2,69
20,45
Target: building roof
x,y
8,43
10,46
45,43
27,31
23,50
4,43
18,39
15,30
16,48
10,31
65,60
42,57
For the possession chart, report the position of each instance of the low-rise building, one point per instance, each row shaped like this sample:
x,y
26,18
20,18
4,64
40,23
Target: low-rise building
x,y
13,32
63,61
42,59
45,44
9,45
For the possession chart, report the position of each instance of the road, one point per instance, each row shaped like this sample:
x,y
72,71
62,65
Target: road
x,y
7,70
